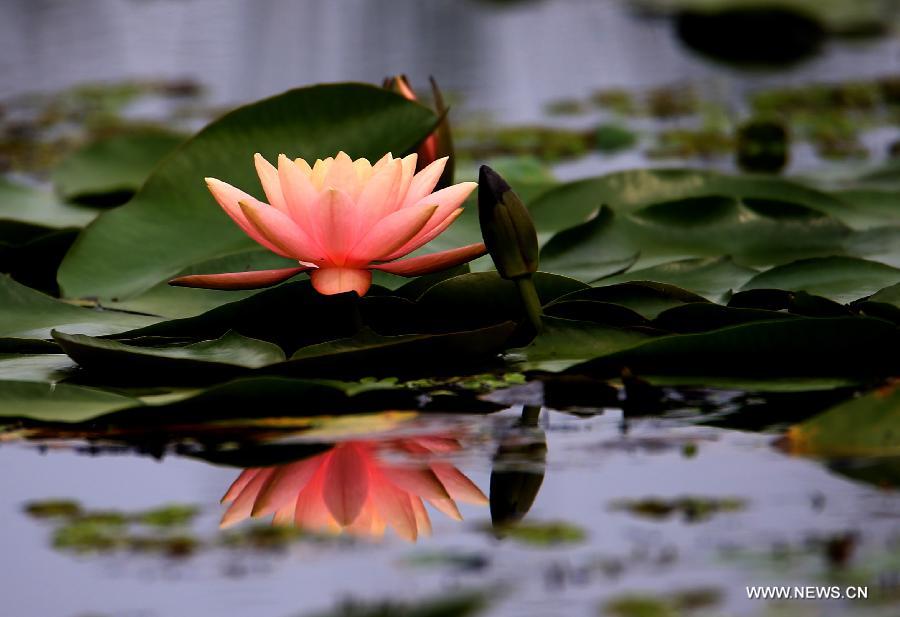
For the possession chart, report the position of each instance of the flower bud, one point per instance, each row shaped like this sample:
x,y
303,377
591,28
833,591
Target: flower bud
x,y
506,226
440,143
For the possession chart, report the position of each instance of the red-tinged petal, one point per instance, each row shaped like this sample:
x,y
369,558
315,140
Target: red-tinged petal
x,y
448,200
395,506
335,225
239,484
422,238
310,511
458,485
390,233
238,280
243,505
421,482
300,195
424,182
284,485
447,507
347,485
229,198
379,196
425,264
423,522
268,177
330,281
281,231
408,165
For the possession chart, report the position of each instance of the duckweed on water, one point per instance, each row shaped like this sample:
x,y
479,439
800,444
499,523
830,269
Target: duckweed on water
x,y
458,605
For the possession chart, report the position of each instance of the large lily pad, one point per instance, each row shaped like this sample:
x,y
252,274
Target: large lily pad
x,y
842,279
589,251
628,191
565,342
222,357
710,277
110,170
173,222
27,313
57,402
26,212
840,346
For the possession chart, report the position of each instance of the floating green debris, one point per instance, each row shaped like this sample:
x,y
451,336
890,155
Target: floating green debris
x,y
542,534
691,509
175,515
462,604
672,605
613,138
53,508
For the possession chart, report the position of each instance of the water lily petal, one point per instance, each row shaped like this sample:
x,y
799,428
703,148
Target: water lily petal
x,y
341,175
268,177
282,232
433,262
417,481
408,165
423,522
238,280
347,486
299,193
422,238
310,510
395,505
378,198
240,484
229,197
335,225
424,182
458,485
243,505
330,281
390,233
284,484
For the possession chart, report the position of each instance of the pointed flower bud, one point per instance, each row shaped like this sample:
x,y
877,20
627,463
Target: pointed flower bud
x,y
506,226
440,143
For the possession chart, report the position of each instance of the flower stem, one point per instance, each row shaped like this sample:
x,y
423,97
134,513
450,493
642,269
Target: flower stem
x,y
530,301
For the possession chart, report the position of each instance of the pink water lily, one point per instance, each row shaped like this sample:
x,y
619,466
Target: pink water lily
x,y
340,219
350,488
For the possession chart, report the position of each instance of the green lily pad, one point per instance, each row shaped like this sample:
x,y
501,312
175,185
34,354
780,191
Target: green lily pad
x,y
647,298
26,212
710,277
479,298
867,208
368,353
565,342
807,347
34,262
57,402
30,314
842,279
864,426
224,356
628,191
588,251
173,222
49,368
698,317
111,170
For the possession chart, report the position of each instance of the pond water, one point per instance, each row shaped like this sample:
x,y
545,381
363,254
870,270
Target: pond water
x,y
655,508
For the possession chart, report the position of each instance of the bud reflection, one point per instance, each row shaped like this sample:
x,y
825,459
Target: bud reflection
x,y
353,488
518,470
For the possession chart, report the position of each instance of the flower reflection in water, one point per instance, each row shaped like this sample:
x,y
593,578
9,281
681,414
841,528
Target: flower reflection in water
x,y
353,488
